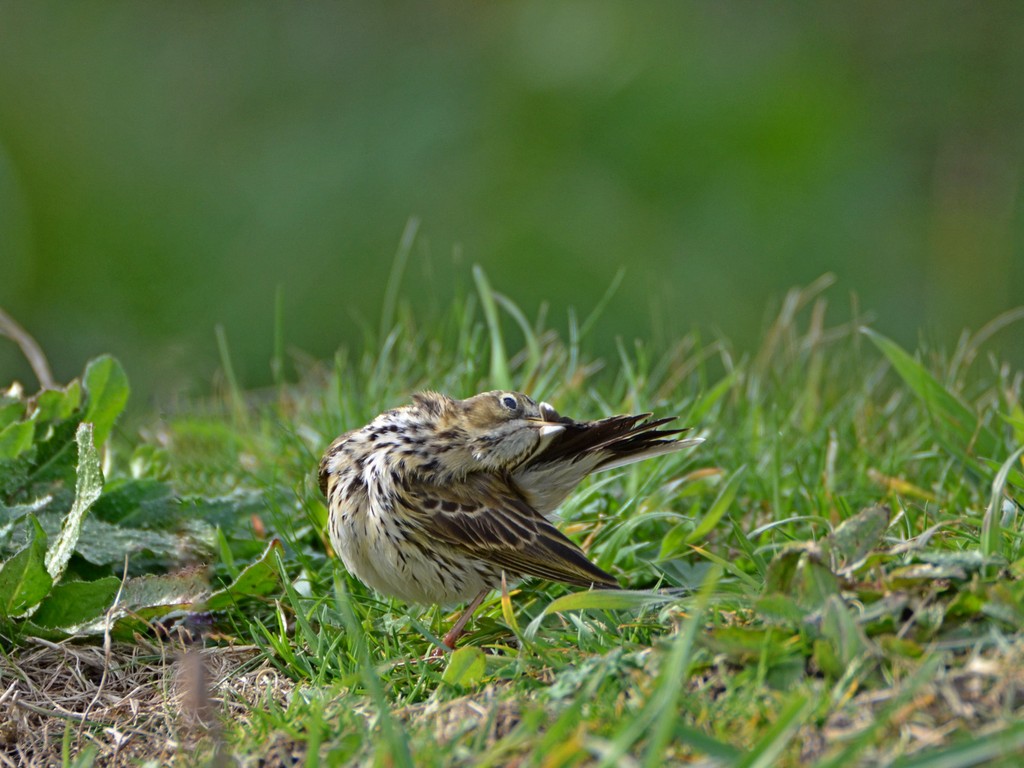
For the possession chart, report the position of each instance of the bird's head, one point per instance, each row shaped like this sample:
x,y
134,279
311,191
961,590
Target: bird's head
x,y
504,429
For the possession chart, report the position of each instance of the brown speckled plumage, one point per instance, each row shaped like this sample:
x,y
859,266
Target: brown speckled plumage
x,y
432,501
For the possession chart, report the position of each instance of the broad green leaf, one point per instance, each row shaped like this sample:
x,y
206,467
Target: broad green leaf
x,y
970,560
968,602
1006,603
466,667
883,614
222,511
18,512
840,629
107,390
258,578
147,597
11,410
687,572
781,571
76,602
57,404
780,609
54,460
815,582
909,575
87,489
723,753
900,646
16,438
854,539
103,543
151,594
826,658
745,644
143,502
23,578
28,628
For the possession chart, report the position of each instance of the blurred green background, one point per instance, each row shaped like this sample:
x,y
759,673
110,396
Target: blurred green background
x,y
164,168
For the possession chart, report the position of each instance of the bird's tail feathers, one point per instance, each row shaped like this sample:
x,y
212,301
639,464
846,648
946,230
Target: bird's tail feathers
x,y
657,449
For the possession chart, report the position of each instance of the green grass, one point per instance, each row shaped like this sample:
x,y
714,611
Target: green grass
x,y
833,577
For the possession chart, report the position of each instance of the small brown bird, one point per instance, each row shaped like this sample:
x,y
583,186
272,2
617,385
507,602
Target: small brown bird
x,y
432,501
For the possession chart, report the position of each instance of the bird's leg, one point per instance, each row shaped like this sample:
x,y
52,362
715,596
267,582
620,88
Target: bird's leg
x,y
456,631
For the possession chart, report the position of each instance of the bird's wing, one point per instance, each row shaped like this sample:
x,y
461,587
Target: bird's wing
x,y
583,447
486,518
610,442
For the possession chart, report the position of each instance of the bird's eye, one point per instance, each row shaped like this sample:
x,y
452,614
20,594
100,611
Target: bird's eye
x,y
510,402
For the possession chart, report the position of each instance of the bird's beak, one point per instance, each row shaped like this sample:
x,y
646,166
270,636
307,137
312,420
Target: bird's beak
x,y
548,431
548,413
548,425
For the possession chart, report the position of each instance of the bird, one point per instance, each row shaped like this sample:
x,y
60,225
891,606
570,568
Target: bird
x,y
434,501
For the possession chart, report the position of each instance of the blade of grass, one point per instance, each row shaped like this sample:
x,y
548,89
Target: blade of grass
x,y
727,566
277,361
970,349
390,301
499,361
597,599
661,711
676,670
848,754
572,366
532,343
238,408
947,410
710,398
991,527
629,374
718,507
975,750
602,304
393,748
767,750
507,612
748,547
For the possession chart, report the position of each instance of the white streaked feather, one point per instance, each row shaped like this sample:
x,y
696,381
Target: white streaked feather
x,y
657,450
547,485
